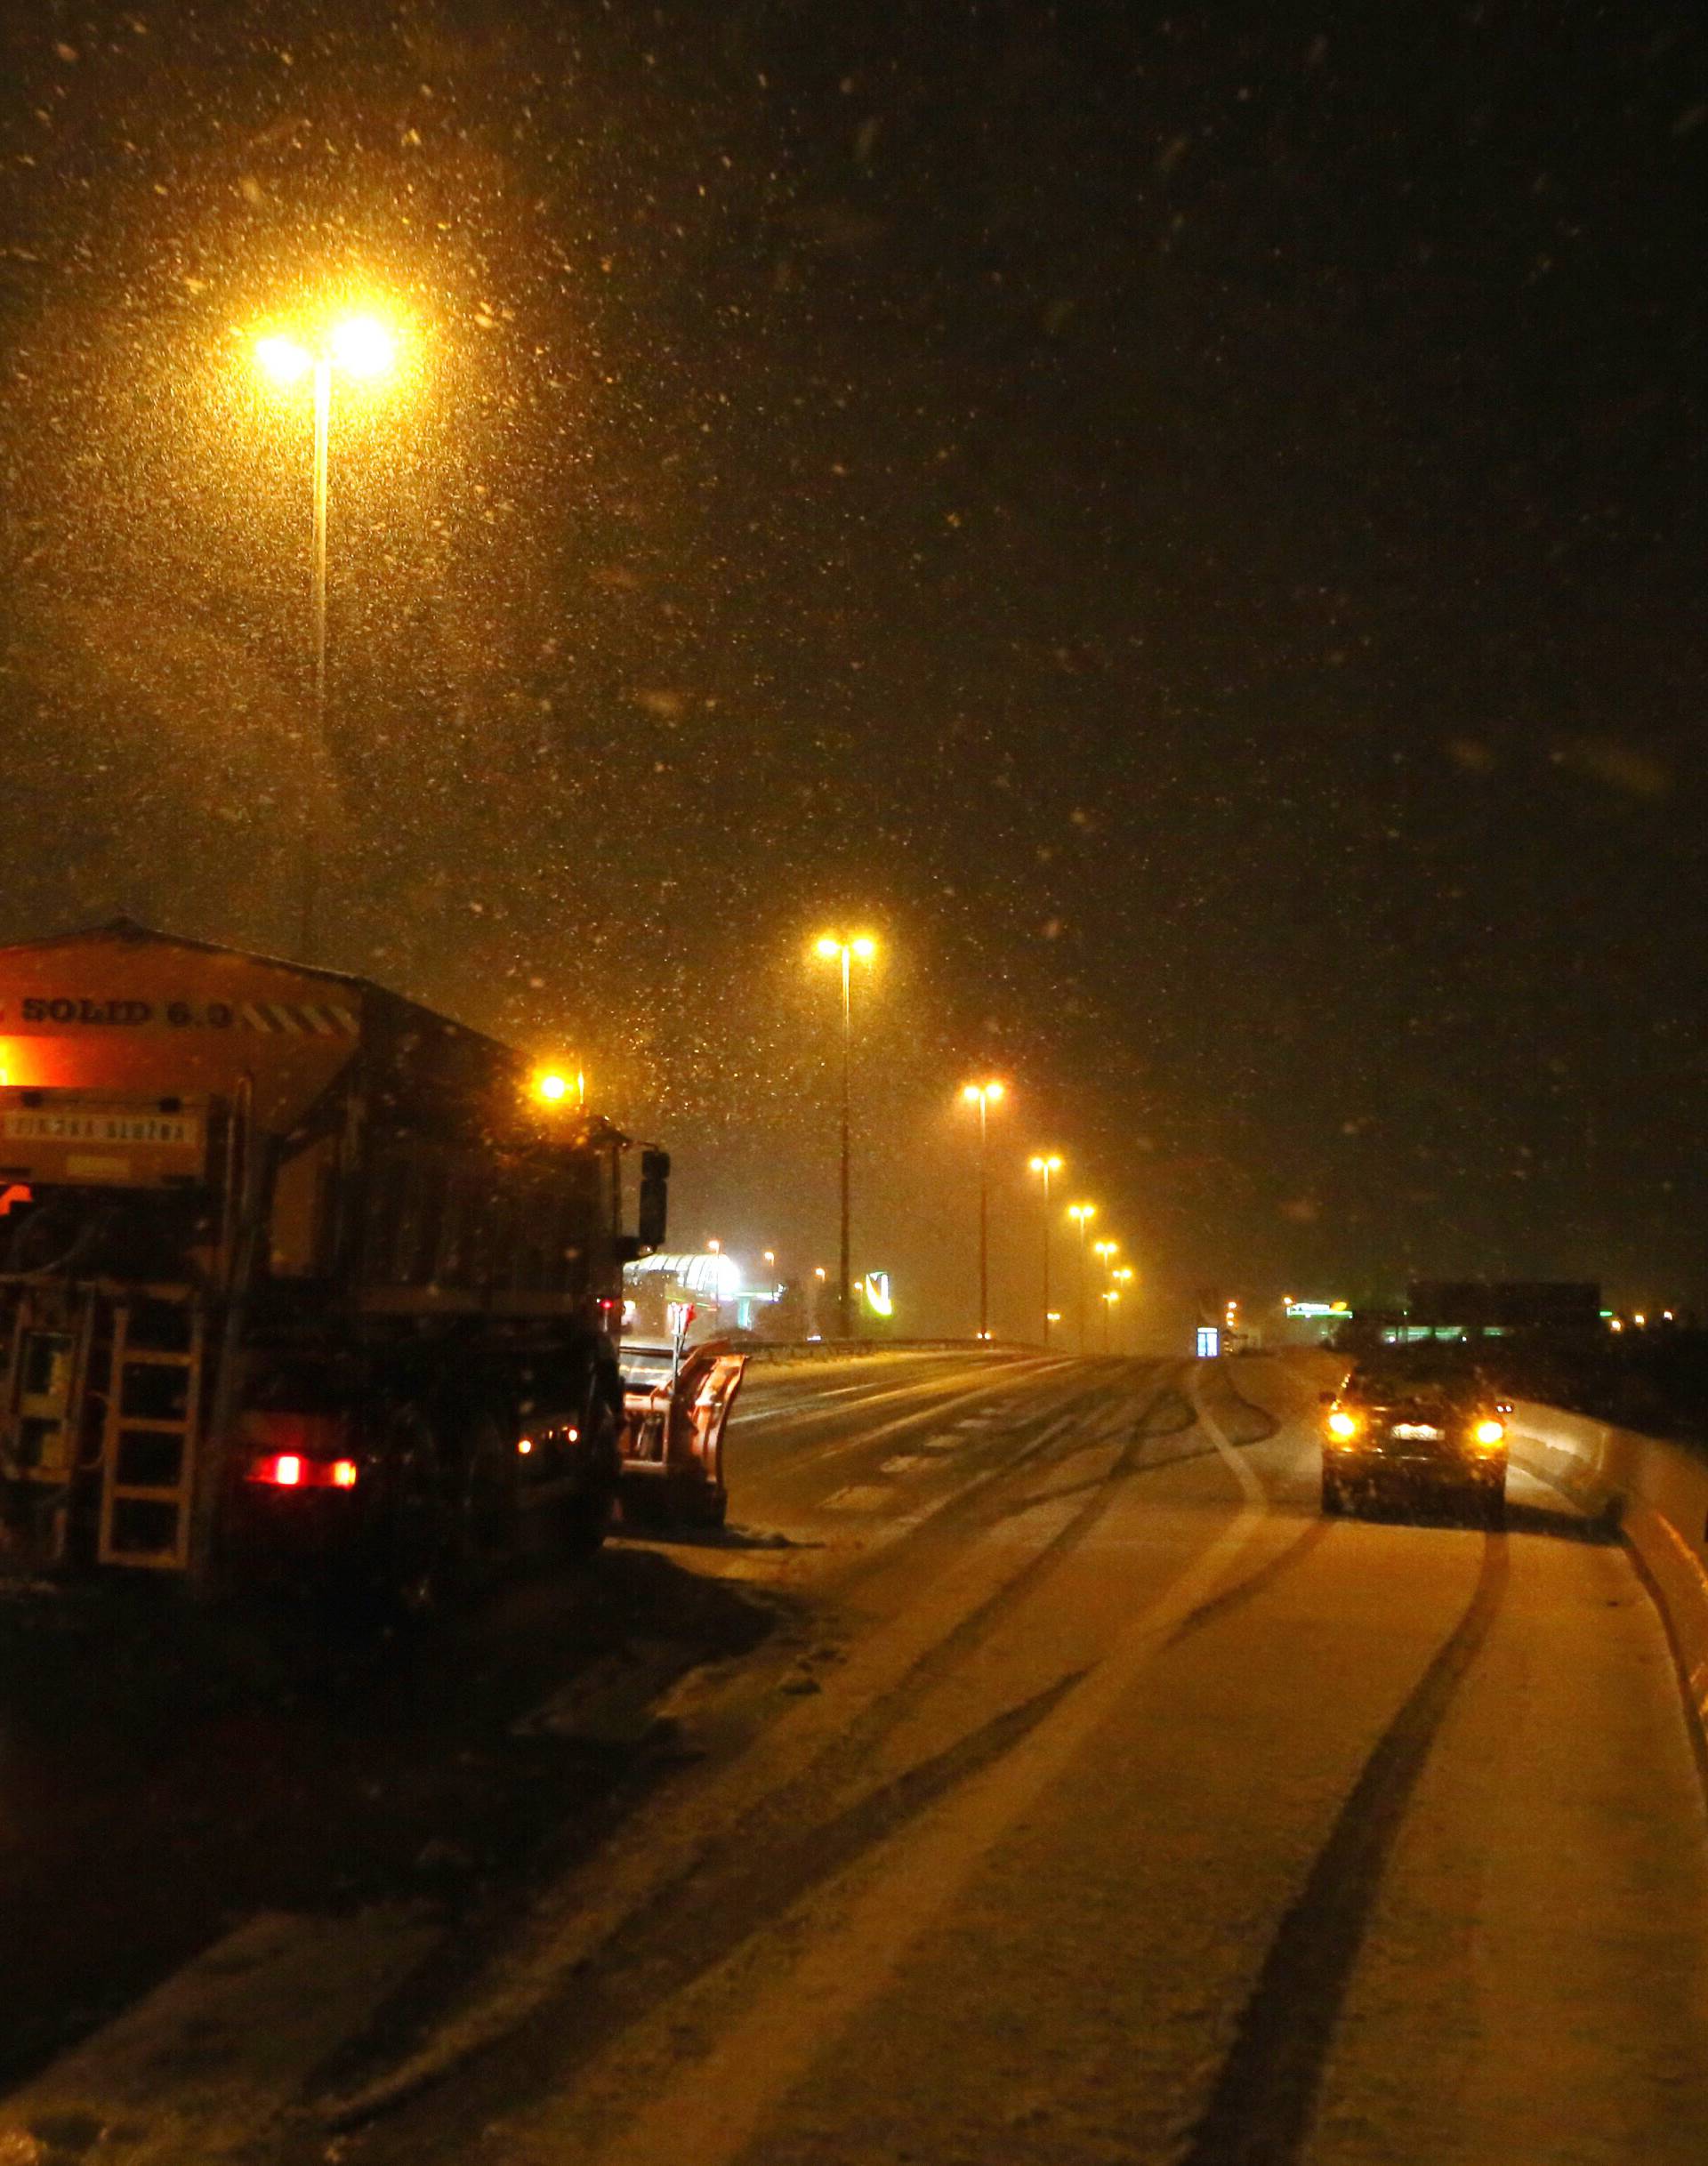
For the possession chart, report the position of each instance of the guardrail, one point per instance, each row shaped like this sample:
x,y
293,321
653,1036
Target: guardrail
x,y
844,1349
1657,1494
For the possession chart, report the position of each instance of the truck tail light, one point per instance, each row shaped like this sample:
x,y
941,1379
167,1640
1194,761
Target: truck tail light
x,y
290,1471
292,1450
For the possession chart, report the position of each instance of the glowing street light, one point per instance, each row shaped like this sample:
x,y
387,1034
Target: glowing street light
x,y
984,1096
358,346
556,1087
1046,1163
840,948
1082,1215
362,346
1109,1300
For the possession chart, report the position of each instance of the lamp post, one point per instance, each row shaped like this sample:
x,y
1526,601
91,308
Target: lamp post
x,y
1082,1215
360,346
1109,1300
1046,1164
984,1096
832,949
1106,1253
1123,1279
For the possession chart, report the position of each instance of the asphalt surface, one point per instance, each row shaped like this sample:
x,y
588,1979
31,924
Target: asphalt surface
x,y
1029,1773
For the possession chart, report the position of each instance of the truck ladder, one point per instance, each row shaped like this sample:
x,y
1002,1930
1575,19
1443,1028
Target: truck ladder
x,y
149,1445
47,1364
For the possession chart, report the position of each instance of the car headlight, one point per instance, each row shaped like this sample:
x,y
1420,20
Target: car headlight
x,y
1489,1433
1341,1426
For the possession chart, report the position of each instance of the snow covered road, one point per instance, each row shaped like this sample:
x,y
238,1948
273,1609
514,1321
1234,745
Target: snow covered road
x,y
1125,1810
1091,1801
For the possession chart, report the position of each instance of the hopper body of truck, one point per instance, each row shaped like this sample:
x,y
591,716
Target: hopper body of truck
x,y
295,1275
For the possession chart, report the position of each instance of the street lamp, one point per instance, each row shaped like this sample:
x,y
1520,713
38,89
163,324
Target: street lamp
x,y
1106,1251
556,1087
1123,1278
360,346
984,1096
1109,1300
1082,1215
1046,1164
833,948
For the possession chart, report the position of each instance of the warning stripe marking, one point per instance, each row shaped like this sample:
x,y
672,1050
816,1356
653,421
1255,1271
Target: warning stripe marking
x,y
297,1019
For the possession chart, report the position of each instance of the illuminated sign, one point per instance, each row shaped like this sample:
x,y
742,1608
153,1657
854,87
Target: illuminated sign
x,y
878,1298
1319,1308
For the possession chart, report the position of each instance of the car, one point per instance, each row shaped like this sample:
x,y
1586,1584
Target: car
x,y
1413,1423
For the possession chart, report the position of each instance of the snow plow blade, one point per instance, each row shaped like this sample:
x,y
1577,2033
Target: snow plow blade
x,y
672,1469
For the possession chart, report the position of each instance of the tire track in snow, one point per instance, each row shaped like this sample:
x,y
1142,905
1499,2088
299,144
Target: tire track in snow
x,y
1261,2111
798,1842
711,2108
1243,1591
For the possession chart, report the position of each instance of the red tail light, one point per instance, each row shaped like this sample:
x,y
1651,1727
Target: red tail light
x,y
288,1470
292,1450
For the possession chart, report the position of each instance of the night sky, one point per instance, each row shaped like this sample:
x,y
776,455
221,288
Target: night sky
x,y
1192,534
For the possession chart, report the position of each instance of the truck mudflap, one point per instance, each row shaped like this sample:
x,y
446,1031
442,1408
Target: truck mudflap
x,y
671,1447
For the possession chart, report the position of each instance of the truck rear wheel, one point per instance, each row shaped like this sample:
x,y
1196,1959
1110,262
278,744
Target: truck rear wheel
x,y
419,1536
586,1517
487,1501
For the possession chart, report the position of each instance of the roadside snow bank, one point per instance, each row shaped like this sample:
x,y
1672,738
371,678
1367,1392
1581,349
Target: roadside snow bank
x,y
1656,1493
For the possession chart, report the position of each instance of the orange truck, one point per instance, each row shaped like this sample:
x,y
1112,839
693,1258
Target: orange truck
x,y
298,1279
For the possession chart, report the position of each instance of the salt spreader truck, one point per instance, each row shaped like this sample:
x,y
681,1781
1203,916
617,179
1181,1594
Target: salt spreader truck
x,y
298,1279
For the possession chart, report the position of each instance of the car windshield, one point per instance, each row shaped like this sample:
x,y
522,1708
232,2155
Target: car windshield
x,y
1416,1369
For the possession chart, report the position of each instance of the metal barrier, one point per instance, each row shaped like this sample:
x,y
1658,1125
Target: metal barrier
x,y
845,1349
1655,1493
